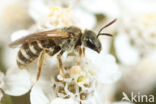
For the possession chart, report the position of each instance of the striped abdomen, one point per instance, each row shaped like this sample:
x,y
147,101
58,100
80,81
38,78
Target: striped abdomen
x,y
30,51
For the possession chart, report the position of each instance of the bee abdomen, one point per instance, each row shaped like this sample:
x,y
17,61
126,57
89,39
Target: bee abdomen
x,y
30,51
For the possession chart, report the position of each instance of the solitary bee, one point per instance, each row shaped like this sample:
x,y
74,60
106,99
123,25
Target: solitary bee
x,y
35,46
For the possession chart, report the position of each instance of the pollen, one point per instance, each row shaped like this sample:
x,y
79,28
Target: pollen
x,y
82,78
151,16
60,16
53,10
78,84
76,70
56,9
149,19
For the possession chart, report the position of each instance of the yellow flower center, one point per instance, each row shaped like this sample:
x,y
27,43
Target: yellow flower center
x,y
82,78
59,10
150,19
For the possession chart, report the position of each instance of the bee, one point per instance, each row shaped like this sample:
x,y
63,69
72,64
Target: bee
x,y
56,41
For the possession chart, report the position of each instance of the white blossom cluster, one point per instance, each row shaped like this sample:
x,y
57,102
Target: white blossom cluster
x,y
84,82
136,34
93,80
78,84
135,44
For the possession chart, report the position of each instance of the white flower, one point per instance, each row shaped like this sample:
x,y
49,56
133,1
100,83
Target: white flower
x,y
135,44
44,91
18,34
122,103
63,101
15,82
136,31
1,95
83,11
11,53
106,7
126,53
145,6
39,10
81,81
106,68
143,72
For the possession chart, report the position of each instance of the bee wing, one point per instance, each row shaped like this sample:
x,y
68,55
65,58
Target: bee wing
x,y
52,34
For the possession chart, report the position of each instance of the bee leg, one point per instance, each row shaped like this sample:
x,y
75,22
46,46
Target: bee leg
x,y
40,62
80,54
60,65
83,51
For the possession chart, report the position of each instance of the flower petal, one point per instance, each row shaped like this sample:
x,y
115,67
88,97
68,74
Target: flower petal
x,y
1,95
125,52
42,93
19,34
12,54
16,82
1,79
106,68
148,4
84,19
38,9
122,102
101,6
64,101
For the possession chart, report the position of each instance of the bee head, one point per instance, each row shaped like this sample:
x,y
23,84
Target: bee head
x,y
90,39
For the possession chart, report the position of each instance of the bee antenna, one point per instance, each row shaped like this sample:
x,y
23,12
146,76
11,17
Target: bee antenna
x,y
110,23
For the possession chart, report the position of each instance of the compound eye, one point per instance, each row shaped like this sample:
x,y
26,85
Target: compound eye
x,y
90,44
